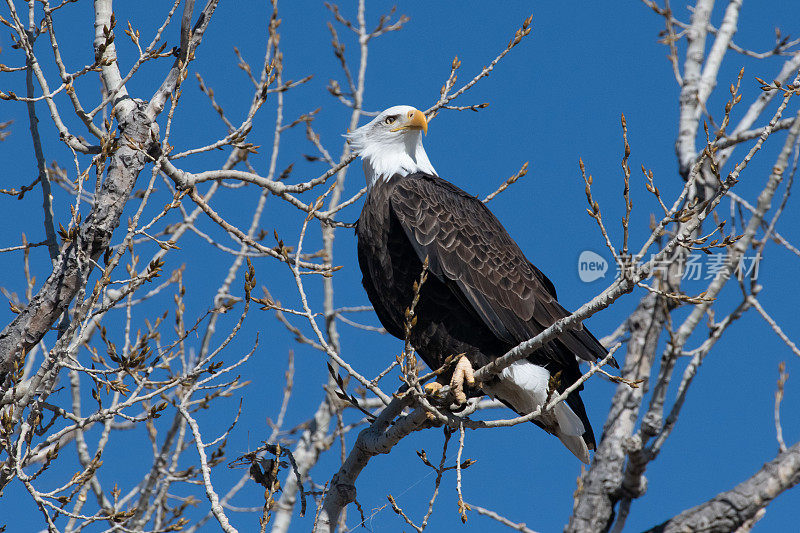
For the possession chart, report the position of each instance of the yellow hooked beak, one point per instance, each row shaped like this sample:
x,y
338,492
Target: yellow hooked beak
x,y
414,120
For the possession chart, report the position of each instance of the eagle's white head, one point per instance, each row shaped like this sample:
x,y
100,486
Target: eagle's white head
x,y
392,144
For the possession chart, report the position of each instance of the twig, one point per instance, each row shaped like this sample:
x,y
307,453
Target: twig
x,y
782,377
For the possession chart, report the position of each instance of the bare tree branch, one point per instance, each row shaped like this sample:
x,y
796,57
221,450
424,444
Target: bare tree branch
x,y
730,510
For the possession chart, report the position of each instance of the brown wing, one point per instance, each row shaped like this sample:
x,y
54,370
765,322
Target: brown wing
x,y
467,246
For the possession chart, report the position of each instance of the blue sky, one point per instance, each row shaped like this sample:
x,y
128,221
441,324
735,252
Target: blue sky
x,y
556,97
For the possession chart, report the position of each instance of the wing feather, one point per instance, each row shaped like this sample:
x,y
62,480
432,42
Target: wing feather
x,y
468,248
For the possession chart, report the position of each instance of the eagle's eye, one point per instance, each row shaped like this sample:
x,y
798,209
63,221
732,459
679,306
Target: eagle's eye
x,y
389,120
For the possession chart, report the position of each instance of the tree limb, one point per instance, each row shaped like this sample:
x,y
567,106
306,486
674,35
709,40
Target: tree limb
x,y
74,264
378,438
731,509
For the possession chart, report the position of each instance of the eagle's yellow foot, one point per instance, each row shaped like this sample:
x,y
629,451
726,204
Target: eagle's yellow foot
x,y
432,388
462,373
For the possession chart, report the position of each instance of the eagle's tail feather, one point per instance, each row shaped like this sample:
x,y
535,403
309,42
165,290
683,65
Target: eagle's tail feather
x,y
570,431
523,387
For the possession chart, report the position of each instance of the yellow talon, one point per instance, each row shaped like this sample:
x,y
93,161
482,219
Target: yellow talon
x,y
462,373
432,388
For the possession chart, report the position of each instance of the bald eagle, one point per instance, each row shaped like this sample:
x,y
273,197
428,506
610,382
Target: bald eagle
x,y
482,296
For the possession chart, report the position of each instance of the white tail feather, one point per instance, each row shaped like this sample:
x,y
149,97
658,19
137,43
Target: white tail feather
x,y
570,431
568,421
523,385
576,445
